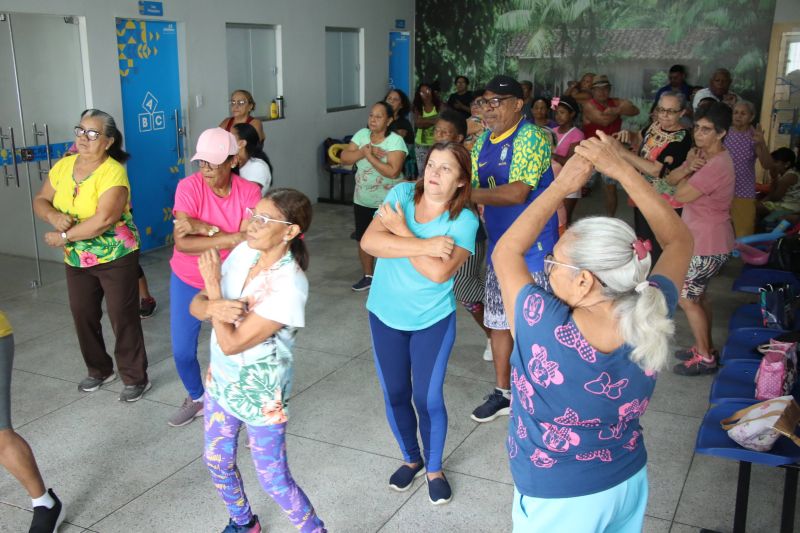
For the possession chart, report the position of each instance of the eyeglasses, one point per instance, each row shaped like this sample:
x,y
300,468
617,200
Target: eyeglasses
x,y
239,103
262,220
494,103
704,129
660,110
92,135
550,263
210,166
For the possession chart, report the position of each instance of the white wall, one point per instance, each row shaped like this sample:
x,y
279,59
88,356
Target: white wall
x,y
293,143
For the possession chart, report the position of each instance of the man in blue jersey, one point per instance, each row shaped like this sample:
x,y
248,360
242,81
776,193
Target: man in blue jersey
x,y
510,168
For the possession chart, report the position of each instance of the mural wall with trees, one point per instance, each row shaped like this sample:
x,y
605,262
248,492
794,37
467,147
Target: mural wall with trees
x,y
557,40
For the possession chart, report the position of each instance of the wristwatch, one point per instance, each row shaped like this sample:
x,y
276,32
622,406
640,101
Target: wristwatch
x,y
64,236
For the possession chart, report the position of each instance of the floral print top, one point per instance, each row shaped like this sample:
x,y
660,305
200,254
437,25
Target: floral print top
x,y
80,200
254,385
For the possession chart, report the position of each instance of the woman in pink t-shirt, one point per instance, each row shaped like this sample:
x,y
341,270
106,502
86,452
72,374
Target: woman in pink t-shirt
x,y
568,136
209,213
705,185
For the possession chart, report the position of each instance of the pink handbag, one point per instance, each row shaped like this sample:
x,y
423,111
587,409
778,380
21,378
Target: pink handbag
x,y
771,376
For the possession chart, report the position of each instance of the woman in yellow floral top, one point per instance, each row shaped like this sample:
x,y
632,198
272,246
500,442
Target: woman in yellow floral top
x,y
87,201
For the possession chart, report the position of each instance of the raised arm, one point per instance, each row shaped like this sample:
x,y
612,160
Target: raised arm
x,y
670,231
508,257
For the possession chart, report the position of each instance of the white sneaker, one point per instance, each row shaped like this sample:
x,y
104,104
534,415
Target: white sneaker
x,y
487,353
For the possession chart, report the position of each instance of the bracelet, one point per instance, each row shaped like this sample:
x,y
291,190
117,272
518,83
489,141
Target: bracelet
x,y
64,236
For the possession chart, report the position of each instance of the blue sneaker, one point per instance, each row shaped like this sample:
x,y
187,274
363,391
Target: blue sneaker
x,y
252,527
404,476
495,405
439,492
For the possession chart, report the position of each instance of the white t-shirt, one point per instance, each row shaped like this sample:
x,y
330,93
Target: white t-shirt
x,y
255,385
257,171
706,93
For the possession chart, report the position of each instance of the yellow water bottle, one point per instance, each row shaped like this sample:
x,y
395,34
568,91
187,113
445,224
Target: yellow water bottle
x,y
273,110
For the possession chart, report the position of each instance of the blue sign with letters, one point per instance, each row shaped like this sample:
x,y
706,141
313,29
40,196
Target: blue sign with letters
x,y
151,106
153,9
400,24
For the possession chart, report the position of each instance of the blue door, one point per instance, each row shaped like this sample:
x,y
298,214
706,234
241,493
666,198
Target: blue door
x,y
151,105
399,61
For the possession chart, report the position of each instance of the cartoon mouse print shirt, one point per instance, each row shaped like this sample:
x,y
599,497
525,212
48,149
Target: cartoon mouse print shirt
x,y
574,424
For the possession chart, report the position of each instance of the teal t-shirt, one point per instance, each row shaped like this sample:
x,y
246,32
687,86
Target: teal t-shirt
x,y
401,297
371,185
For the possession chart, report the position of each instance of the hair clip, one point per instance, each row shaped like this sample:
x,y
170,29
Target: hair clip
x,y
641,248
554,102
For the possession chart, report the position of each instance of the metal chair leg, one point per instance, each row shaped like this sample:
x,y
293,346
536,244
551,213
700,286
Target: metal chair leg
x,y
742,494
789,499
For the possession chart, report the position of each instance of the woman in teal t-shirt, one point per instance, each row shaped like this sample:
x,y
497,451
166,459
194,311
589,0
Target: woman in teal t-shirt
x,y
379,157
422,235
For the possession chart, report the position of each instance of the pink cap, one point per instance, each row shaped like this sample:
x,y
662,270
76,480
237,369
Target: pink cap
x,y
215,145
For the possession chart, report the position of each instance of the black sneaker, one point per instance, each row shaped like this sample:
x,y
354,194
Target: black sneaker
x,y
90,384
439,491
696,366
495,405
147,307
47,520
363,284
404,476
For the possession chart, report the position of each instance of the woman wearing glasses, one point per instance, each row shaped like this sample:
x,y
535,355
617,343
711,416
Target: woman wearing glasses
x,y
705,185
209,214
662,147
242,104
585,356
87,201
255,301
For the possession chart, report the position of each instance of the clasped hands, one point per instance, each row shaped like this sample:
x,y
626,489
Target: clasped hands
x,y
228,311
394,220
61,222
189,226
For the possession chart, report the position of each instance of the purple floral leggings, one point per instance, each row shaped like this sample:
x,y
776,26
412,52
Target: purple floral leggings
x,y
268,448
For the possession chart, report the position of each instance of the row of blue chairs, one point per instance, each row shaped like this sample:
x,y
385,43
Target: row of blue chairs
x,y
734,388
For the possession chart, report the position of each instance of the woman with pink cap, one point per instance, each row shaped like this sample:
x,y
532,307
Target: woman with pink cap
x,y
210,212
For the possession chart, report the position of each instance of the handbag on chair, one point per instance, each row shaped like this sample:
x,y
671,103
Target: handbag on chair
x,y
758,427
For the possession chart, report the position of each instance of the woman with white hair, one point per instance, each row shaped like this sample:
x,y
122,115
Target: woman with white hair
x,y
745,143
585,357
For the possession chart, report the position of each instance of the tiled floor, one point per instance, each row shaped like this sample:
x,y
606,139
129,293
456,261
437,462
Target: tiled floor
x,y
120,468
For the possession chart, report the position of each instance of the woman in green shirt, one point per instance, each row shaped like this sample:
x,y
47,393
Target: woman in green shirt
x,y
379,156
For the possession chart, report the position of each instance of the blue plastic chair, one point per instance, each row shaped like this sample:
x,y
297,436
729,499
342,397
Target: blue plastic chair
x,y
752,279
749,316
713,440
743,343
735,382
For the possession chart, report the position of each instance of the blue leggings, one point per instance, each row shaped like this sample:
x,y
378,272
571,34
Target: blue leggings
x,y
185,330
421,356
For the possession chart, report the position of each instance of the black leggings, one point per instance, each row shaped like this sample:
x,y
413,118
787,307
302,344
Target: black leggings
x,y
6,358
643,231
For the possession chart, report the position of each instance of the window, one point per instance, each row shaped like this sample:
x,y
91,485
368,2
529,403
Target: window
x,y
254,63
344,77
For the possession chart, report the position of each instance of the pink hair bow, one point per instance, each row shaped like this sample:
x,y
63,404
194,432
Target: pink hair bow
x,y
554,102
642,248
